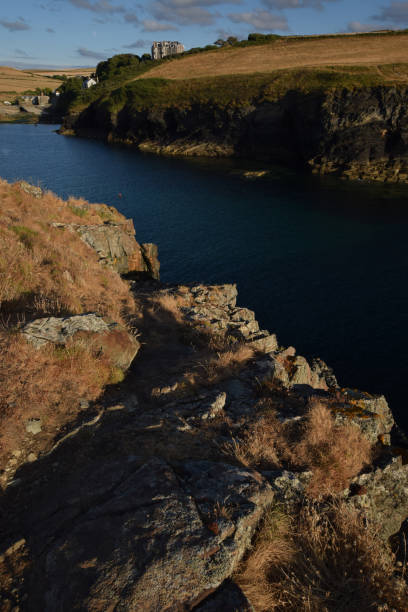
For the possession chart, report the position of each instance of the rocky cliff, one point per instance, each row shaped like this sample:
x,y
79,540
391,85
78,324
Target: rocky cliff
x,y
359,133
171,480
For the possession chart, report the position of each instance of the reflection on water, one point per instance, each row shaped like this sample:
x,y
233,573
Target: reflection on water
x,y
322,262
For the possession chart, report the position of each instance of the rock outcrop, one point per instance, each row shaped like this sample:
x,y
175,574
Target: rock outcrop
x,y
117,247
110,339
142,538
142,507
357,133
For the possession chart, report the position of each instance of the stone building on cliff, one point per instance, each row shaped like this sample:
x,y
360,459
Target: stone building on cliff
x,y
164,48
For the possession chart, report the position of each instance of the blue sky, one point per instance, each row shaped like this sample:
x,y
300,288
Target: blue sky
x,y
48,33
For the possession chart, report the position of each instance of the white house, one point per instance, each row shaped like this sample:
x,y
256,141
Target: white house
x,y
163,48
88,82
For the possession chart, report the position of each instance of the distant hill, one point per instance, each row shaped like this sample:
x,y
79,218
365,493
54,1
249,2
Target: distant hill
x,y
290,52
14,82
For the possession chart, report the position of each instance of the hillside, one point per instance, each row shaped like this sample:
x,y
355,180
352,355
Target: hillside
x,y
331,104
159,451
290,53
14,82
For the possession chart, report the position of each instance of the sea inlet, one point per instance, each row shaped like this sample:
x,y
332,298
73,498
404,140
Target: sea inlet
x,y
322,262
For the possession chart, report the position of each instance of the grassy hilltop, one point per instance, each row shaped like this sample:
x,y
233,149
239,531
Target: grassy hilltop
x,y
260,69
291,53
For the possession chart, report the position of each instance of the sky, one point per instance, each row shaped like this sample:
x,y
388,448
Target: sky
x,y
62,33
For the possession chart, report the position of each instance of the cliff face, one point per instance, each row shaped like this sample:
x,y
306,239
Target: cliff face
x,y
360,133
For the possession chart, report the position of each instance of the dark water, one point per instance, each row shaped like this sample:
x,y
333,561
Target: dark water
x,y
323,263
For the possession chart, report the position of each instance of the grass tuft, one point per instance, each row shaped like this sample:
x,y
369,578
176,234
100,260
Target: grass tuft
x,y
326,559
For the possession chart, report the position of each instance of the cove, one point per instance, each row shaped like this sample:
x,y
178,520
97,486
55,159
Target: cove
x,y
322,262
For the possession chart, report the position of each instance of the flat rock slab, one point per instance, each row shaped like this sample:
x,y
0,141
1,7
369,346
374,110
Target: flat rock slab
x,y
132,539
108,338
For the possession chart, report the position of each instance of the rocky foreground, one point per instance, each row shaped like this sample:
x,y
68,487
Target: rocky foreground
x,y
149,499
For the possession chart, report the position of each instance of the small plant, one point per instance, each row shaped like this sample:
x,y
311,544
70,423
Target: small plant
x,y
25,235
335,453
116,376
325,559
78,211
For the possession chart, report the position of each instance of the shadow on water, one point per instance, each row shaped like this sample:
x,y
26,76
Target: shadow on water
x,y
322,262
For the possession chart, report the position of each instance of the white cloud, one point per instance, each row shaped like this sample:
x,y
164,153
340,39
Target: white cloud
x,y
15,26
294,4
261,20
98,6
183,14
396,12
83,52
151,25
357,26
138,44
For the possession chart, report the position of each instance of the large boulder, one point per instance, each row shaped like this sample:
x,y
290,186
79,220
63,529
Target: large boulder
x,y
142,538
370,413
117,247
382,494
110,339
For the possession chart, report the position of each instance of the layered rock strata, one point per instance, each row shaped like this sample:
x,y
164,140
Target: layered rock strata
x,y
356,134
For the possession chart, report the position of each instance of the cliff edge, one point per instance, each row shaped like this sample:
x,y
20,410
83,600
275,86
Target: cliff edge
x,y
348,121
160,451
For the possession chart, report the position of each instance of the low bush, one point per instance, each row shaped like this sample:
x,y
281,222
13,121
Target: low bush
x,y
335,453
327,559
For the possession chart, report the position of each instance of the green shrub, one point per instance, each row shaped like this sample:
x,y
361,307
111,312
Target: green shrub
x,y
25,235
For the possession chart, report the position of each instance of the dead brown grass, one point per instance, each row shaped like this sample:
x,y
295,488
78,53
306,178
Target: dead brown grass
x,y
14,82
69,72
48,271
46,384
327,559
170,305
288,54
212,368
335,453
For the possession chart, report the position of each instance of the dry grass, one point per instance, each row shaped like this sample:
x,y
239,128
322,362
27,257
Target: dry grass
x,y
49,271
221,365
265,445
14,82
288,54
69,72
44,384
46,270
335,453
326,560
169,305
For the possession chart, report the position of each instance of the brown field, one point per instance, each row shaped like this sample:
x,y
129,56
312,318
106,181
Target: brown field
x,y
14,81
69,72
347,50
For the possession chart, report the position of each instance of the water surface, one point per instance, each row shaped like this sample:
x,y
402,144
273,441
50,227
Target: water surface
x,y
322,262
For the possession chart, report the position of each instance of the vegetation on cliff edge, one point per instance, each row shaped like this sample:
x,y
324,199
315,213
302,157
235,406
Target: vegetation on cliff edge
x,y
46,270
